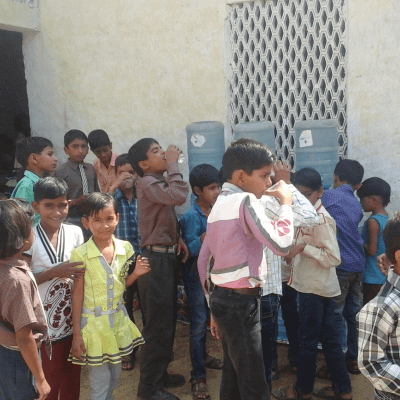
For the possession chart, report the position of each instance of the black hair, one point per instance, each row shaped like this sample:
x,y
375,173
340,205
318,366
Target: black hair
x,y
375,187
246,154
350,171
31,145
15,227
27,207
22,124
49,188
203,175
308,177
138,152
391,236
98,138
72,135
122,159
96,202
222,180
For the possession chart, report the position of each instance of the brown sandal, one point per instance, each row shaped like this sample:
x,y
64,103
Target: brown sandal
x,y
199,389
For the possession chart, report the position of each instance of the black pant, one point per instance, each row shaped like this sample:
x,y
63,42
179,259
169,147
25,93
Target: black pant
x,y
158,302
238,318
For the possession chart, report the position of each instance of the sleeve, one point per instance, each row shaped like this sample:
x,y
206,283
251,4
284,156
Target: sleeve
x,y
75,257
276,235
191,231
203,262
172,192
304,213
129,250
375,326
323,247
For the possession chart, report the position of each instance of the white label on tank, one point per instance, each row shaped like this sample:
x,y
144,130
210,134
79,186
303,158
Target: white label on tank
x,y
197,140
305,139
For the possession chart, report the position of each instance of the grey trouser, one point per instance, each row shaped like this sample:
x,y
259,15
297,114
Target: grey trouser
x,y
103,380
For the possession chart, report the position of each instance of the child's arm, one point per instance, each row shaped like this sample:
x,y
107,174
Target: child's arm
x,y
28,347
63,270
142,267
373,231
78,347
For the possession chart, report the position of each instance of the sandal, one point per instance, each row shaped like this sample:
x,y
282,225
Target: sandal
x,y
352,367
323,373
128,363
281,394
213,363
322,393
199,389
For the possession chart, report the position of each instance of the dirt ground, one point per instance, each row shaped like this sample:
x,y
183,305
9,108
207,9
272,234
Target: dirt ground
x,y
128,383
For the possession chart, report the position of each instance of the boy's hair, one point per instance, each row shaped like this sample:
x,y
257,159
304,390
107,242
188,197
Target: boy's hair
x,y
27,207
375,187
122,159
98,138
31,145
246,154
15,228
350,171
96,202
308,177
391,236
73,134
203,175
138,152
49,188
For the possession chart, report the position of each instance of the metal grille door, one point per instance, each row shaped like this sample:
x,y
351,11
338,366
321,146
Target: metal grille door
x,y
288,63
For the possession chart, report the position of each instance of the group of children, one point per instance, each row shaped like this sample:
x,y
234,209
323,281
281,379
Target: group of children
x,y
236,246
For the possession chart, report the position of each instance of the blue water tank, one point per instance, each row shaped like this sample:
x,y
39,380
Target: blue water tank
x,y
205,143
262,131
317,146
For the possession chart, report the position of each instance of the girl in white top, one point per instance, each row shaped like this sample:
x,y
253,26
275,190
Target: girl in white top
x,y
313,258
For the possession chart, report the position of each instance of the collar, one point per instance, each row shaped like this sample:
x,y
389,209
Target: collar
x,y
318,205
198,208
393,278
231,188
160,178
33,177
14,263
119,194
345,188
93,251
74,165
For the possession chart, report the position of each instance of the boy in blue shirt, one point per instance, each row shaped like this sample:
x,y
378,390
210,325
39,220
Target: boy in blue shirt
x,y
204,181
343,206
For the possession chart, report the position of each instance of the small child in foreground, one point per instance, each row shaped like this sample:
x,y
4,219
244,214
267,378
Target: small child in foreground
x,y
374,196
22,320
378,324
103,332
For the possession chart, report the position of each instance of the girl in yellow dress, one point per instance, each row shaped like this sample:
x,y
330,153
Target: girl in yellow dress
x,y
102,330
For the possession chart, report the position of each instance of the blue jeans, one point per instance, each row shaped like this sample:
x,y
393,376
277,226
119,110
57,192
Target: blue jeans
x,y
238,319
318,321
198,318
347,305
269,314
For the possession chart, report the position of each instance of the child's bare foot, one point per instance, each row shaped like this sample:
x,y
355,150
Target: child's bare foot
x,y
328,393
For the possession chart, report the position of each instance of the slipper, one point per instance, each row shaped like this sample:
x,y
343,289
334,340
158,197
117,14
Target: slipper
x,y
199,389
281,394
323,373
128,363
213,363
321,393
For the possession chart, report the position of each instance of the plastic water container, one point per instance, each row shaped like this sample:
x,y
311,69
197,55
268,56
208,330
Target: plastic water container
x,y
317,146
262,132
205,143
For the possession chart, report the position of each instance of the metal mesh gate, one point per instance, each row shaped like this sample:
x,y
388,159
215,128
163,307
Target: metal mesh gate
x,y
288,63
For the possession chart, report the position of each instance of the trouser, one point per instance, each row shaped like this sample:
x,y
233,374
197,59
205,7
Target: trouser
x,y
269,315
63,377
238,319
347,305
198,318
319,322
103,380
16,380
158,298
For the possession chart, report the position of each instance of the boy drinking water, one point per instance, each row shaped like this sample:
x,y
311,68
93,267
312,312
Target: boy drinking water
x,y
160,243
378,324
236,233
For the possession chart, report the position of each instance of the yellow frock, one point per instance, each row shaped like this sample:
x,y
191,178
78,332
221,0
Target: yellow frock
x,y
107,331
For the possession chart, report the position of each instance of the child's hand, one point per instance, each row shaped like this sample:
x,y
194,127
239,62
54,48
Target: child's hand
x,y
294,251
182,248
142,266
214,328
78,347
172,153
383,263
281,191
68,270
43,389
282,171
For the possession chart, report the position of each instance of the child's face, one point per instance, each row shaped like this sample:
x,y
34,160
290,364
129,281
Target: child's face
x,y
46,160
127,168
77,150
104,153
368,203
52,211
311,195
209,194
258,181
103,224
155,160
